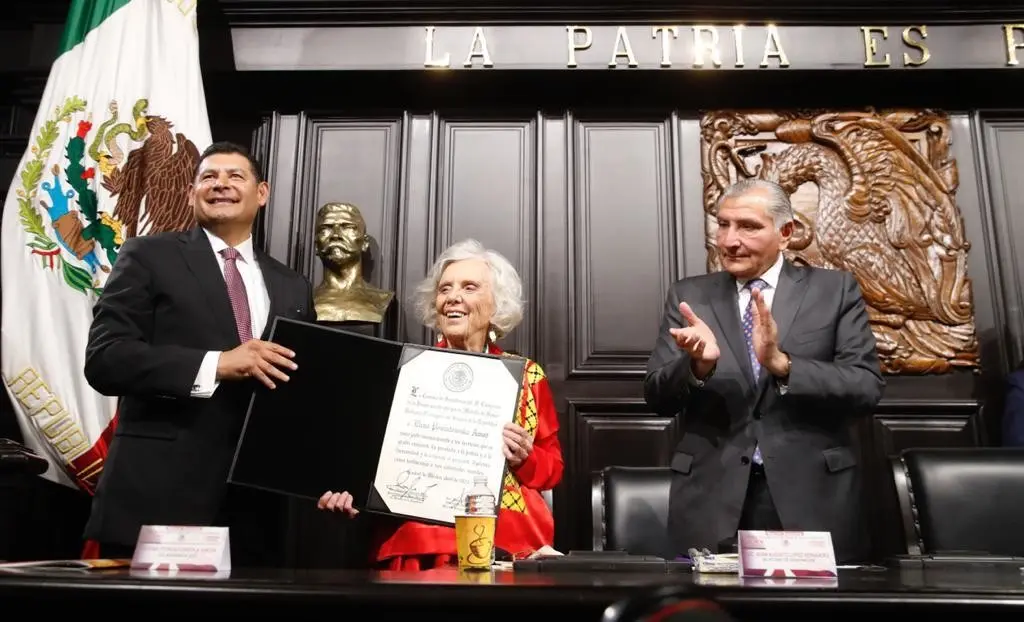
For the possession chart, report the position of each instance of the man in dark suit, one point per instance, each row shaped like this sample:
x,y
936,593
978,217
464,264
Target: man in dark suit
x,y
179,334
768,370
1013,409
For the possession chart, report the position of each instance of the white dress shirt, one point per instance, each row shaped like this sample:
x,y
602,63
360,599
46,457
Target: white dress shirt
x,y
771,277
259,308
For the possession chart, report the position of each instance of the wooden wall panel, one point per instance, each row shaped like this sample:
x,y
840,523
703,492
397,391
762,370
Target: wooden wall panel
x,y
622,240
357,162
554,196
1003,160
415,248
487,191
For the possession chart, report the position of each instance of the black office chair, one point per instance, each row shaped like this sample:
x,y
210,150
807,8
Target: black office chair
x,y
629,507
961,500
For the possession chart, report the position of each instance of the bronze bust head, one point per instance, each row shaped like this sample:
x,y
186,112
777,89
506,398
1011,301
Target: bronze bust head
x,y
341,241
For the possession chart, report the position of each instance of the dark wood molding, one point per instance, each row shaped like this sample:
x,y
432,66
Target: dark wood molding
x,y
22,87
940,406
22,14
868,12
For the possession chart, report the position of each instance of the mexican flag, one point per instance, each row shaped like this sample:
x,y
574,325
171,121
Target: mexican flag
x,y
112,152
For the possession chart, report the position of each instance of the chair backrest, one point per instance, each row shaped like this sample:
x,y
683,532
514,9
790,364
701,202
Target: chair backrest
x,y
629,508
966,500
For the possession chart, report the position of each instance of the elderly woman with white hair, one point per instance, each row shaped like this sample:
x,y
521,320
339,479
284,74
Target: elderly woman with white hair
x,y
472,297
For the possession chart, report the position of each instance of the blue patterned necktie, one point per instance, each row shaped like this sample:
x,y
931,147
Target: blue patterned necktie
x,y
748,335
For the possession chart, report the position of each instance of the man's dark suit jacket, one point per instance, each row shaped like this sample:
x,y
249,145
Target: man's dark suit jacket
x,y
804,435
164,306
1013,410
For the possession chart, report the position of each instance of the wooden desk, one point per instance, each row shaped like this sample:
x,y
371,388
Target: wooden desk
x,y
450,595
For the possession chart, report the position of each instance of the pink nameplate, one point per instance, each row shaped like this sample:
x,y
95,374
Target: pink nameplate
x,y
796,554
173,548
802,583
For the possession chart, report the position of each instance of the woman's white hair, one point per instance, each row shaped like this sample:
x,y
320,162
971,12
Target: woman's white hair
x,y
505,284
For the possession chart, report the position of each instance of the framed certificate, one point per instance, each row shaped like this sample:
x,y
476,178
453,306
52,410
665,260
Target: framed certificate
x,y
402,427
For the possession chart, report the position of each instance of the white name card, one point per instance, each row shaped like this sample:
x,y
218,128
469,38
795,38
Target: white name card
x,y
173,548
782,554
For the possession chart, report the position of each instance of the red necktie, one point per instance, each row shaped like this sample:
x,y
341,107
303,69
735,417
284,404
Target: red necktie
x,y
237,293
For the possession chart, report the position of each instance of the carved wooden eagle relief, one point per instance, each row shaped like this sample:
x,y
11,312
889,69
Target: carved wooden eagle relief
x,y
873,193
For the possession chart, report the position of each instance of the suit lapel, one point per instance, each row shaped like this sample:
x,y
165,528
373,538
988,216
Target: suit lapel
x,y
725,305
788,298
276,290
202,263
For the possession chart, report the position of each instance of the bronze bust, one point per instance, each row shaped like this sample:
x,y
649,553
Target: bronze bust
x,y
343,295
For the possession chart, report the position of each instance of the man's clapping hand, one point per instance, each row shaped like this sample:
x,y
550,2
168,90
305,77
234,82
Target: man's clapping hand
x,y
765,338
698,341
262,360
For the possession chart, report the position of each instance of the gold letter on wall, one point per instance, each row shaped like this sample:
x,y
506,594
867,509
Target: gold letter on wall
x,y
588,38
916,43
1009,32
478,48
